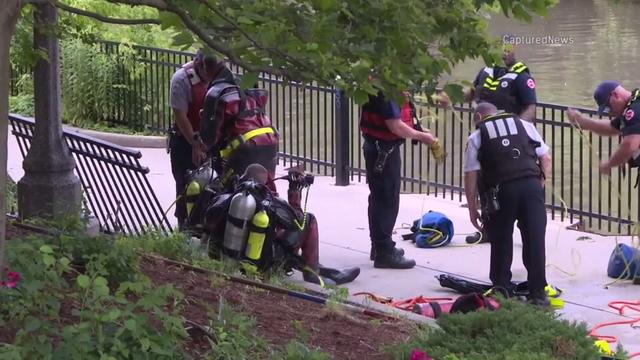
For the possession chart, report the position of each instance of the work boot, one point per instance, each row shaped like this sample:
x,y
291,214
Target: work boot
x,y
313,277
372,253
473,239
394,260
339,276
538,298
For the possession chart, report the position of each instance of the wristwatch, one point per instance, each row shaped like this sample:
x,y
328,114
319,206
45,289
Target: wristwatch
x,y
196,136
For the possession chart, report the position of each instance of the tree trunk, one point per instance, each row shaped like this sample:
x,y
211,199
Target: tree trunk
x,y
9,13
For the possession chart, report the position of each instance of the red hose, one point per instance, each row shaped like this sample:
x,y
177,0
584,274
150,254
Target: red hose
x,y
619,306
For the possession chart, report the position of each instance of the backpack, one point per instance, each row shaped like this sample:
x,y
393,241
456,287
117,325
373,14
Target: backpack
x,y
220,124
432,230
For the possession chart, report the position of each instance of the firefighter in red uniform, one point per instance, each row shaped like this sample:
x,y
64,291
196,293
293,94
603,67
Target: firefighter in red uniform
x,y
384,129
237,131
188,89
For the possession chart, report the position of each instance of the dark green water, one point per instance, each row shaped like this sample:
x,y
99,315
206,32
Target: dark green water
x,y
602,40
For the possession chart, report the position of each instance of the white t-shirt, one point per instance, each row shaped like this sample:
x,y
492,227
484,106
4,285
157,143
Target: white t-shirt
x,y
473,144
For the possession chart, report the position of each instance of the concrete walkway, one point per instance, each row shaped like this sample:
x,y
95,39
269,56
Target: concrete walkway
x,y
576,266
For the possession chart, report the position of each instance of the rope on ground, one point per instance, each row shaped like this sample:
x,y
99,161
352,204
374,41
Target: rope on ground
x,y
620,307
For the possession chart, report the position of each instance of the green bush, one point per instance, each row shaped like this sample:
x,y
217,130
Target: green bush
x,y
11,196
90,82
138,320
516,331
176,246
100,255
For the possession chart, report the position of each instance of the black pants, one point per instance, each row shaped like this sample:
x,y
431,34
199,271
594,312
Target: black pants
x,y
521,200
384,196
181,162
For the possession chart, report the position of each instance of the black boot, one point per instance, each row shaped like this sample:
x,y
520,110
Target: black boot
x,y
392,260
538,298
313,277
372,253
339,276
477,238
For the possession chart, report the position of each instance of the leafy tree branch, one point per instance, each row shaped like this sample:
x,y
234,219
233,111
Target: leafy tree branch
x,y
106,19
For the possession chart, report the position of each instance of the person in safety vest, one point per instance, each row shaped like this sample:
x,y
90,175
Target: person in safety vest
x,y
624,107
307,238
189,86
384,129
237,130
510,88
514,162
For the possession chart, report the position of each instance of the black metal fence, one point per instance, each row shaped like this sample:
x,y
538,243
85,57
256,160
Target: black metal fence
x,y
114,183
320,128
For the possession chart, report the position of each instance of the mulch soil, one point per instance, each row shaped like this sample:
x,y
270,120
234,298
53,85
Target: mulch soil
x,y
279,318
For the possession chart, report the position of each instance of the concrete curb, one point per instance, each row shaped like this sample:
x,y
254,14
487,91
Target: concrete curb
x,y
132,141
385,309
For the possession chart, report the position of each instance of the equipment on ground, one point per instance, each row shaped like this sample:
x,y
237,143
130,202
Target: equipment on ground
x,y
241,210
432,230
624,262
515,290
257,235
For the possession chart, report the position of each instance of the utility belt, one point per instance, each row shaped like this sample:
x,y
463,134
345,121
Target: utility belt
x,y
489,201
384,149
239,140
172,134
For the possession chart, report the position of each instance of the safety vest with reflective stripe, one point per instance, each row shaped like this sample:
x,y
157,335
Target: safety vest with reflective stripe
x,y
498,89
506,150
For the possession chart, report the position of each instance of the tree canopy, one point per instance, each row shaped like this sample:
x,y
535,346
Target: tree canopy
x,y
340,43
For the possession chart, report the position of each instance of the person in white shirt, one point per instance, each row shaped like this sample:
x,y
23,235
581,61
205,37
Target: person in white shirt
x,y
507,163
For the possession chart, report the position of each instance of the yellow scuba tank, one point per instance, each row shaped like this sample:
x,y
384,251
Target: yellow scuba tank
x,y
257,235
193,190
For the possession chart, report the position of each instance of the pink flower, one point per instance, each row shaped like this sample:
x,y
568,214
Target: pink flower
x,y
14,276
419,355
12,280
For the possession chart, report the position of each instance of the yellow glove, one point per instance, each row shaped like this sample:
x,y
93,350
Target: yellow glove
x,y
437,151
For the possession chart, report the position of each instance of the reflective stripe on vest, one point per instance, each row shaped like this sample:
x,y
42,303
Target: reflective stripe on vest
x,y
499,91
506,151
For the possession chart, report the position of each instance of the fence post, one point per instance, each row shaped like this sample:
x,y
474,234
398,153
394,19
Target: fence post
x,y
342,138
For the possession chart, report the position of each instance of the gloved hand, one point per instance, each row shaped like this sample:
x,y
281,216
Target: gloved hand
x,y
296,180
437,151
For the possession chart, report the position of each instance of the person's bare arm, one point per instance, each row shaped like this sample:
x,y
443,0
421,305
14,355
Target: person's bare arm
x,y
545,165
471,193
184,125
399,128
629,144
528,113
600,127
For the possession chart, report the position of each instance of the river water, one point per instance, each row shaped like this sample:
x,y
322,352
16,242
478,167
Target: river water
x,y
601,40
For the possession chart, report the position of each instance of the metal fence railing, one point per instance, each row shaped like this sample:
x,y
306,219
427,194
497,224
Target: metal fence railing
x,y
576,191
114,183
320,128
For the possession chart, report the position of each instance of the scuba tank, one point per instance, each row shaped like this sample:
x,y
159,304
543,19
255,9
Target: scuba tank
x,y
257,235
241,209
198,179
193,190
